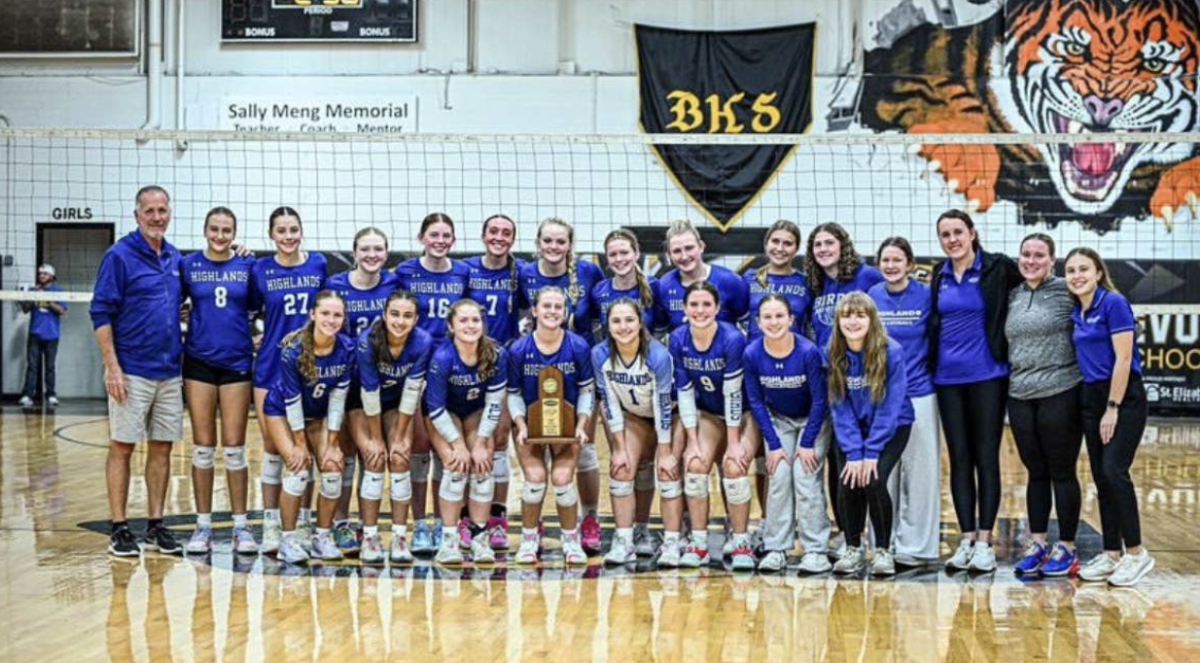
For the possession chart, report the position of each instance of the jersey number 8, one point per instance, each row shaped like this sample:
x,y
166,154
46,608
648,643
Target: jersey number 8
x,y
221,296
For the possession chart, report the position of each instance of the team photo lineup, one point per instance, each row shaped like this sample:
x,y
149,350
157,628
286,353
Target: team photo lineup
x,y
819,386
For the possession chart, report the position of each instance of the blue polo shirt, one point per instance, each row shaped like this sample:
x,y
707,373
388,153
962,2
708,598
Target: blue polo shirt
x,y
138,293
1109,314
963,353
43,321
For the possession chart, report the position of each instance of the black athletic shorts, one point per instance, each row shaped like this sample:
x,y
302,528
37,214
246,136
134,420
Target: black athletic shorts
x,y
202,371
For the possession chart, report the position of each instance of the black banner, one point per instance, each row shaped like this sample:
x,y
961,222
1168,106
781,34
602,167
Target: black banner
x,y
751,81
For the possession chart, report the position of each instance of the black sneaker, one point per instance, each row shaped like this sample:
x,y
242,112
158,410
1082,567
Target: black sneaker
x,y
161,539
123,544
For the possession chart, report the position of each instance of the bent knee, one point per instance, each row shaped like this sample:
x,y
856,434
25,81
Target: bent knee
x,y
699,466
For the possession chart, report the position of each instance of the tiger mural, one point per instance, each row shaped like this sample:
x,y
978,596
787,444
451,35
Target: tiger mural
x,y
1053,66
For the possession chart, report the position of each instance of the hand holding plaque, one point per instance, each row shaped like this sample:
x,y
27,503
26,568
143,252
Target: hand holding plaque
x,y
551,418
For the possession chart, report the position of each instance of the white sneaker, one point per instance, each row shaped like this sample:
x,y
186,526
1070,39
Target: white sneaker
x,y
961,558
371,551
291,551
621,553
323,547
573,550
305,536
53,401
481,548
837,546
272,534
776,560
25,401
201,542
448,553
399,552
645,544
814,562
668,555
527,553
243,541
1131,569
853,562
884,565
983,559
1098,568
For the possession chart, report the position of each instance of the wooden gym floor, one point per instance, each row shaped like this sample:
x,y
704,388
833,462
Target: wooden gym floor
x,y
63,598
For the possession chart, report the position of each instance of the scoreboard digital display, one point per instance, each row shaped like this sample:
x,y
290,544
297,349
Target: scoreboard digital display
x,y
319,20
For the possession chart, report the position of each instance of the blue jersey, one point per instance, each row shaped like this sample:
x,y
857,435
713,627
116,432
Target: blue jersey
x,y
644,387
735,298
362,306
222,303
452,386
792,386
573,358
861,426
435,291
824,306
712,377
286,294
43,321
293,394
579,305
499,294
1110,314
964,356
793,287
605,293
385,382
905,315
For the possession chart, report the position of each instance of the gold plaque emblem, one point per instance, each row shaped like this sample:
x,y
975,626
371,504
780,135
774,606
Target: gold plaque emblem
x,y
551,386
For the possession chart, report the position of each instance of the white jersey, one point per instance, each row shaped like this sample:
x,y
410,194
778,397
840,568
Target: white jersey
x,y
643,388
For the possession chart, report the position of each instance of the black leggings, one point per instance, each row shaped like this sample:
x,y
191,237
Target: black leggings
x,y
873,498
1049,434
1110,462
973,421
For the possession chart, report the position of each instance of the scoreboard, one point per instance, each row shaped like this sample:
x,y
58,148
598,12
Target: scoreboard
x,y
319,20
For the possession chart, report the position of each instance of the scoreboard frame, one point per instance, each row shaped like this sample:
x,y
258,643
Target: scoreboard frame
x,y
317,21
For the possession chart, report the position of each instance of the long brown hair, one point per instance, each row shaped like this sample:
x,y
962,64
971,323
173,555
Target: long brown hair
x,y
279,212
966,219
513,281
848,258
307,362
379,334
645,296
644,337
786,226
223,211
874,349
489,350
1088,252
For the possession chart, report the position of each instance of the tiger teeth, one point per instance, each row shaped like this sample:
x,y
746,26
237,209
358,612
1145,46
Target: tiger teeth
x,y
1074,127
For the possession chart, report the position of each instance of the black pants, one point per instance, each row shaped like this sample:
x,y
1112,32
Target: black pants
x,y
973,421
38,350
873,498
833,472
1049,435
1110,462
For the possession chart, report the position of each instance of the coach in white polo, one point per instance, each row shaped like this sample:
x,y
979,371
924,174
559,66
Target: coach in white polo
x,y
135,312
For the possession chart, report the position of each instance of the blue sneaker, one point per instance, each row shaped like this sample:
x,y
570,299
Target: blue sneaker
x,y
1032,560
422,541
346,539
1062,562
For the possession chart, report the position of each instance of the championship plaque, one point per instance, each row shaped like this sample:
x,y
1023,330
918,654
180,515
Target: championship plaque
x,y
551,418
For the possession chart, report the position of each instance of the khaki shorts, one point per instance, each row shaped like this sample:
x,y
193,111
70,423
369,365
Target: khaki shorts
x,y
153,410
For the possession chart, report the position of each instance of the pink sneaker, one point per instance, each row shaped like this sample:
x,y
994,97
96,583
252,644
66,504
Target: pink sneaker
x,y
590,528
464,533
498,533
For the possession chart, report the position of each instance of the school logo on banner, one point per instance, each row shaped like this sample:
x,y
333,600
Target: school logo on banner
x,y
749,81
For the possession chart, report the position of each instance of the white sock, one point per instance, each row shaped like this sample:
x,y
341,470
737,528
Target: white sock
x,y
271,515
370,530
625,534
400,530
322,531
204,520
700,539
570,534
239,520
670,537
525,531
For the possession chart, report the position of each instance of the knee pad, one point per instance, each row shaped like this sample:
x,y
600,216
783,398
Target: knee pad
x,y
272,469
202,457
695,484
737,490
566,495
348,470
620,488
331,485
500,468
760,466
235,459
401,486
418,467
439,470
670,489
533,493
483,487
589,461
454,485
644,479
294,483
372,486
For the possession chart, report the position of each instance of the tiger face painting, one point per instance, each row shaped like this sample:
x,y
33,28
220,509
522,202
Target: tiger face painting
x,y
1053,66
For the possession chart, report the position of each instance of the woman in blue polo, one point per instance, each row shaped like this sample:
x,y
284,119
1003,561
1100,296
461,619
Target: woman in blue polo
x,y
1114,414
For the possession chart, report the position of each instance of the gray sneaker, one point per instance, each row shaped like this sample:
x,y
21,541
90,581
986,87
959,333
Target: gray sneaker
x,y
200,543
1131,569
243,541
983,559
883,564
620,553
291,551
371,551
1100,567
961,558
775,561
815,562
325,548
644,542
851,563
